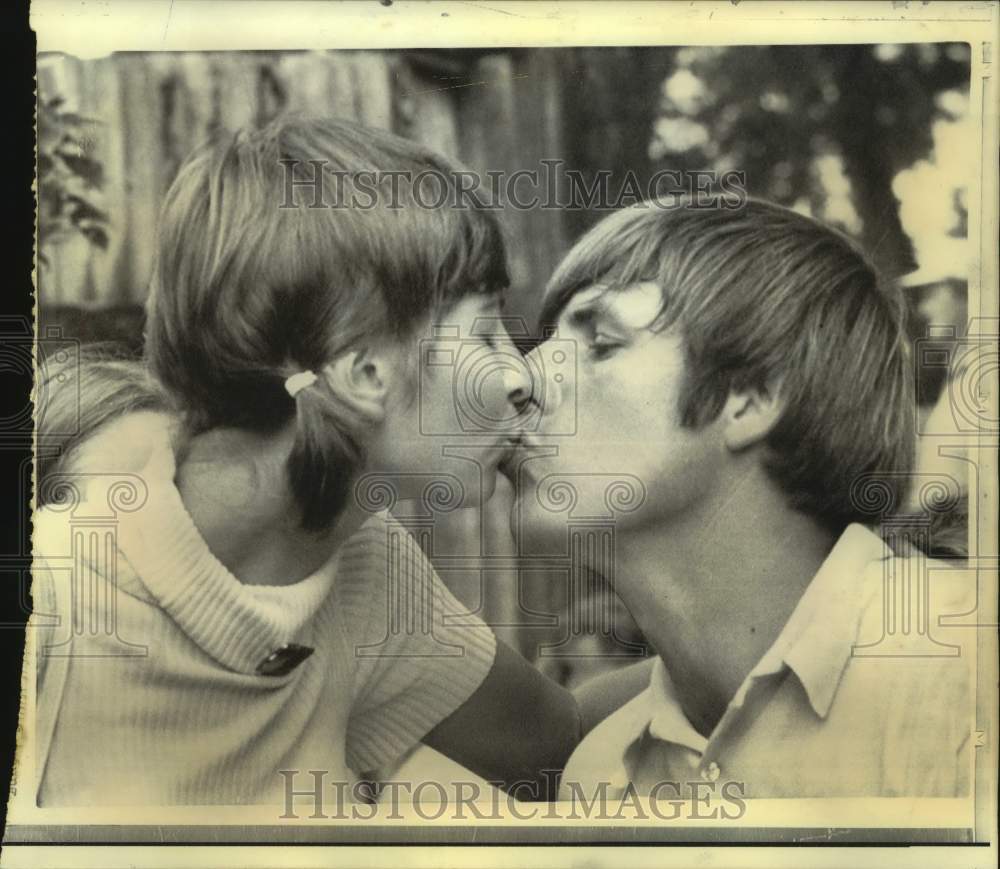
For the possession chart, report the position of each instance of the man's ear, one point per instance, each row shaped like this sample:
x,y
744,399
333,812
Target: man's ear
x,y
361,380
750,415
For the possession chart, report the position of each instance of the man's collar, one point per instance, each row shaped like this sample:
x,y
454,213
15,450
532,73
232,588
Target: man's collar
x,y
600,756
815,643
668,721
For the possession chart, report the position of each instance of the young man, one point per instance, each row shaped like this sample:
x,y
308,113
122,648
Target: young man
x,y
743,376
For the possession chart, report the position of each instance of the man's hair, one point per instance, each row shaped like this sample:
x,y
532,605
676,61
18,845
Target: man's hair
x,y
764,297
282,248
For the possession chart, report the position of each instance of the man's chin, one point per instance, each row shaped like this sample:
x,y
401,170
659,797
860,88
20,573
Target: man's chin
x,y
508,467
536,531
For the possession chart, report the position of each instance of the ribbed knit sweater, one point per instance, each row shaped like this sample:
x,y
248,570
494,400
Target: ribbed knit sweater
x,y
148,650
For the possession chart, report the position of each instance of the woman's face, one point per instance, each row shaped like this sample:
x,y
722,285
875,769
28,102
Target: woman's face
x,y
452,414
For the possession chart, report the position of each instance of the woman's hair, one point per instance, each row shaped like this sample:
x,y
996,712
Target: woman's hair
x,y
78,393
766,298
282,248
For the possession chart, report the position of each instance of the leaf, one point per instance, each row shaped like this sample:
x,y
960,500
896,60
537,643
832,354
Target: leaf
x,y
86,168
54,235
49,134
96,235
85,211
72,119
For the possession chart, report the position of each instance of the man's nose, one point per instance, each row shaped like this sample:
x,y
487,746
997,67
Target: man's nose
x,y
518,383
545,389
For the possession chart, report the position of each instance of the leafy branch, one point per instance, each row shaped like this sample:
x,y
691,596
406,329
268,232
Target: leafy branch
x,y
69,180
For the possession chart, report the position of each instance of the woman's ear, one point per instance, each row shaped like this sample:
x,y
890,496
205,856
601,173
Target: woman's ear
x,y
750,415
360,379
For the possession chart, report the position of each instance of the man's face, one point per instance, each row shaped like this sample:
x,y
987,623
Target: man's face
x,y
607,441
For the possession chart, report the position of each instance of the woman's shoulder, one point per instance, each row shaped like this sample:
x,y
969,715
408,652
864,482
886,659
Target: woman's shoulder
x,y
107,479
382,542
380,561
109,473
142,442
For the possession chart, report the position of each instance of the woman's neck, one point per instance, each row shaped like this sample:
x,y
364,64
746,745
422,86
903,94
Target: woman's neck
x,y
235,487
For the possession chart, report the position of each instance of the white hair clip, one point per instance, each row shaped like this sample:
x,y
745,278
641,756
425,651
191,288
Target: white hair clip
x,y
299,381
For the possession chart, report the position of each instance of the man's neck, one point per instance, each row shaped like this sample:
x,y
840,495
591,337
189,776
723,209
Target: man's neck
x,y
713,591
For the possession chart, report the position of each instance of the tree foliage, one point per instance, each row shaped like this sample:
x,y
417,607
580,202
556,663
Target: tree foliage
x,y
69,180
776,111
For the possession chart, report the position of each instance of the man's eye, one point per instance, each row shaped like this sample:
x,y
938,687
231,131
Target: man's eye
x,y
602,348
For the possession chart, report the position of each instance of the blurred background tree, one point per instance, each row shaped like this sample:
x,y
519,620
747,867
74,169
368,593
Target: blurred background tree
x,y
822,128
825,129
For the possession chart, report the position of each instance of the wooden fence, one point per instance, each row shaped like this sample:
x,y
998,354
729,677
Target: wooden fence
x,y
493,111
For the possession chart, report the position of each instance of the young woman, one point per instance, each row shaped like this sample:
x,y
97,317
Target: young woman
x,y
258,618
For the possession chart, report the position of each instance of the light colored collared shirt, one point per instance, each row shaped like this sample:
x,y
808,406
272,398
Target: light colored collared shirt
x,y
851,700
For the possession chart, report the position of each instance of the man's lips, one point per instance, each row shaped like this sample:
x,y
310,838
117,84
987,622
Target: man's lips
x,y
517,464
509,457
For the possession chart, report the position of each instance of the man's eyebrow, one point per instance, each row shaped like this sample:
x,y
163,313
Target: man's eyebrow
x,y
597,310
581,316
497,298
